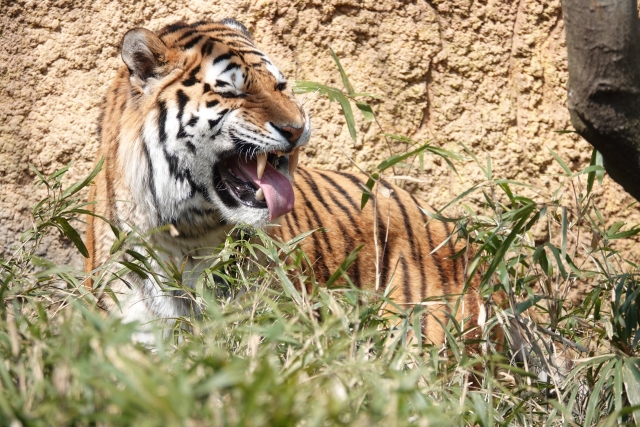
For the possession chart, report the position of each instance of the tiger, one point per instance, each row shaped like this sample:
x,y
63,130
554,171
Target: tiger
x,y
199,132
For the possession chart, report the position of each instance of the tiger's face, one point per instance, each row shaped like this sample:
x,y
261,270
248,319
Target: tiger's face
x,y
218,124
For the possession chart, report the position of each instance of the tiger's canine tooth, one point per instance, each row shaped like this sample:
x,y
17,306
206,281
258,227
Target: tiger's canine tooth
x,y
259,194
293,161
262,163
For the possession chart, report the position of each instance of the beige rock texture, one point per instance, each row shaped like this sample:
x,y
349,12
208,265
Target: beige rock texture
x,y
490,74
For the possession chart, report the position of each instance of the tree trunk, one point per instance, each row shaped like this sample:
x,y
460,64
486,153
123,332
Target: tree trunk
x,y
603,46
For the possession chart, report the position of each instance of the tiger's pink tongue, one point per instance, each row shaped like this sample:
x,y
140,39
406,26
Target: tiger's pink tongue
x,y
277,188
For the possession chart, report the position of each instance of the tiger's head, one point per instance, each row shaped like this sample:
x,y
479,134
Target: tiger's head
x,y
215,123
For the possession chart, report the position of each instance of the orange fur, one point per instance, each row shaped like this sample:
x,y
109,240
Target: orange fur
x,y
398,238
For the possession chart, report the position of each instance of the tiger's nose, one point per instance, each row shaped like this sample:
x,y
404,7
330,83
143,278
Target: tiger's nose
x,y
290,133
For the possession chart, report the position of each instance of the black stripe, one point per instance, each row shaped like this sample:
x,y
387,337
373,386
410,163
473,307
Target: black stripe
x,y
190,146
348,240
183,99
207,48
222,57
294,215
314,188
436,259
194,41
182,102
222,83
213,123
233,35
185,35
239,44
424,281
199,23
383,262
251,51
287,223
425,219
206,88
152,185
192,77
193,120
319,261
173,28
162,122
211,104
341,190
406,283
452,251
231,66
173,161
407,222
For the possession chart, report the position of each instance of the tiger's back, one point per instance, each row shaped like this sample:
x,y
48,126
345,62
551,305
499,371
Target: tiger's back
x,y
399,246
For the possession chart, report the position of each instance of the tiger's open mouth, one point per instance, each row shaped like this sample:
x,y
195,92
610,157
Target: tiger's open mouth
x,y
260,182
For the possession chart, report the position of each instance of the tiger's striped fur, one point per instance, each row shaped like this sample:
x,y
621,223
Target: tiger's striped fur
x,y
184,128
397,237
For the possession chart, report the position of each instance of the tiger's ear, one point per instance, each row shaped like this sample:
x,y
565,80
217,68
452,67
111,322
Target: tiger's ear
x,y
142,52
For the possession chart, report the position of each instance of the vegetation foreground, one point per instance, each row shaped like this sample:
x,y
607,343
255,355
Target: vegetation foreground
x,y
265,352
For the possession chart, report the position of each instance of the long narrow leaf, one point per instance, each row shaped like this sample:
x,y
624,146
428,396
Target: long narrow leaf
x,y
506,244
631,379
81,184
343,74
72,234
562,164
343,266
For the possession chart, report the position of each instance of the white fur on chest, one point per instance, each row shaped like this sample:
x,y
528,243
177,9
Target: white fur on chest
x,y
150,301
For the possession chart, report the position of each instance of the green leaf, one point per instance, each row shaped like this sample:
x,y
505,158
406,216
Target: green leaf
x,y
366,111
528,303
540,257
367,194
393,160
67,230
592,174
594,400
343,266
599,162
562,164
509,193
564,232
556,254
348,114
135,269
59,172
617,385
299,238
287,285
522,216
117,244
81,184
343,75
631,380
38,174
334,95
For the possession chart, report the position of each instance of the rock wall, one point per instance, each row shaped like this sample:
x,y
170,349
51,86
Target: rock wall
x,y
489,74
